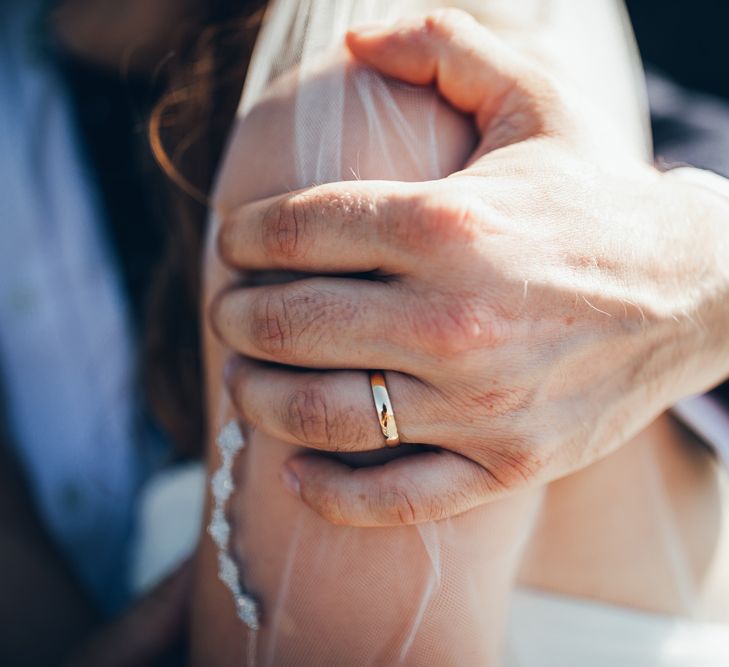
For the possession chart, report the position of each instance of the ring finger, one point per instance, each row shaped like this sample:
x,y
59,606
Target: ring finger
x,y
331,410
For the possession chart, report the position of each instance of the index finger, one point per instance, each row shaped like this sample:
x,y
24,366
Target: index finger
x,y
347,227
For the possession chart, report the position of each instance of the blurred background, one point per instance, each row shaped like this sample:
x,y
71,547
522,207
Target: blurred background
x,y
685,51
686,40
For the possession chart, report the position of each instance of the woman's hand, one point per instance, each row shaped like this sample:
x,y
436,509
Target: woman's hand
x,y
531,311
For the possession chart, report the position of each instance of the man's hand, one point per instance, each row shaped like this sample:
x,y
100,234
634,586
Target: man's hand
x,y
531,312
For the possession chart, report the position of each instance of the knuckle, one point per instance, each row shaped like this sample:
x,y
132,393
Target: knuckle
x,y
535,105
437,221
306,415
284,228
295,321
310,419
270,324
457,326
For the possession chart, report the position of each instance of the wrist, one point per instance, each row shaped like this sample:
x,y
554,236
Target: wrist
x,y
705,210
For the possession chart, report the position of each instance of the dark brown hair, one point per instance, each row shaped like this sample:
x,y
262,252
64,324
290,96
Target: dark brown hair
x,y
187,130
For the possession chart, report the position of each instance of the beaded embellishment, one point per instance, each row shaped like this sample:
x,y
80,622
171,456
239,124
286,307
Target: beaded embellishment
x,y
230,441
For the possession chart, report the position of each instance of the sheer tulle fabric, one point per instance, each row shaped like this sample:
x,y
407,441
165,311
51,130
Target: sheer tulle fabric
x,y
438,593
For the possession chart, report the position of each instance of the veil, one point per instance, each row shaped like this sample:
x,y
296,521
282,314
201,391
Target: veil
x,y
306,592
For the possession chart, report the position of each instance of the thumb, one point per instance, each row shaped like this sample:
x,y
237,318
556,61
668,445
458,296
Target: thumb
x,y
472,68
147,630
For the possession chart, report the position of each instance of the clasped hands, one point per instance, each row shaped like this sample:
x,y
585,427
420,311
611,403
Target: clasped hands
x,y
531,312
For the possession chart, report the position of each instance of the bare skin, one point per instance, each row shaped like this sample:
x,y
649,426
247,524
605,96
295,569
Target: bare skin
x,y
512,300
264,536
599,531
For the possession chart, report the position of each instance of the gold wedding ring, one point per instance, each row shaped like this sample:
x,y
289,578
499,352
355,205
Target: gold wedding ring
x,y
385,413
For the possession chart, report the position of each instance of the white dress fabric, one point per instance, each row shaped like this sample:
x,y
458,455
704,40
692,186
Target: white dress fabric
x,y
548,630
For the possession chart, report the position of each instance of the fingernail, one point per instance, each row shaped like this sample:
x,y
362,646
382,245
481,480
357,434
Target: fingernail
x,y
368,30
231,366
291,481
